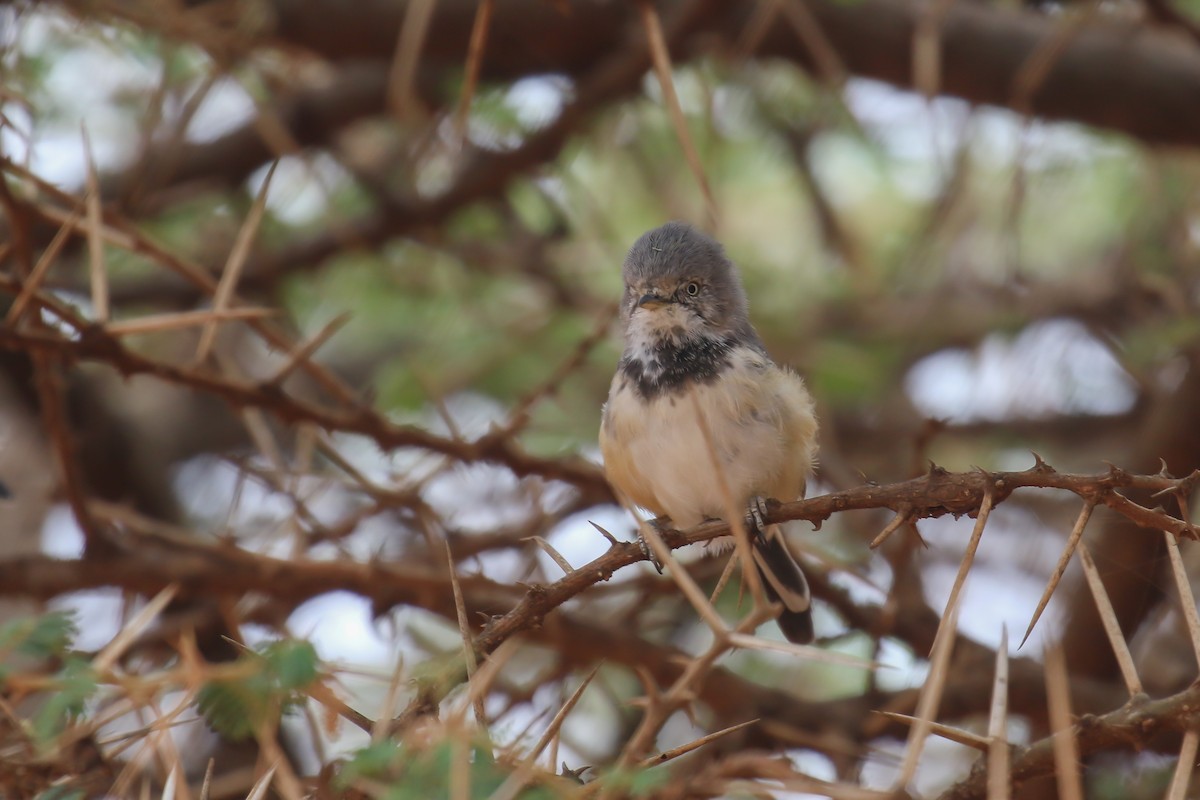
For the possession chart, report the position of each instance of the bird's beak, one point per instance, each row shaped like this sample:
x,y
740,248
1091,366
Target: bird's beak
x,y
652,301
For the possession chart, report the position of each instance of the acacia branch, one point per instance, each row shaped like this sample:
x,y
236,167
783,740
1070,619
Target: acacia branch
x,y
156,562
957,495
935,494
1132,727
1109,73
95,345
939,492
146,563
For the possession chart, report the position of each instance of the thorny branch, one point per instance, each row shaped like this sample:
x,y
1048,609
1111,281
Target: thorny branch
x,y
933,495
147,563
95,345
1138,724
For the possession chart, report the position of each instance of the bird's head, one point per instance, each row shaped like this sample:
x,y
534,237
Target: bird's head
x,y
679,284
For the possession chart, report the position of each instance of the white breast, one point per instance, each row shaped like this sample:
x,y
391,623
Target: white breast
x,y
761,441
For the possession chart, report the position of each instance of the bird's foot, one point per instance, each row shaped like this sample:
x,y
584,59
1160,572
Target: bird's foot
x,y
660,528
757,512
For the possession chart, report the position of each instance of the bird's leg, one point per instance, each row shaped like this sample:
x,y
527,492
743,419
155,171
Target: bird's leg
x,y
660,527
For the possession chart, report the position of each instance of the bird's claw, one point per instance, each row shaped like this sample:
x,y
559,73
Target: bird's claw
x,y
646,550
758,512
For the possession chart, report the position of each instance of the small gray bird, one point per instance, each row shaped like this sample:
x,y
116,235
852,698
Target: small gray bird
x,y
690,350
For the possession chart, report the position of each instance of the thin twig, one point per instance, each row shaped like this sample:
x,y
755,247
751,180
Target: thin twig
x,y
1186,599
957,735
233,266
33,282
661,57
402,80
1184,767
684,749
304,351
520,778
1112,628
998,746
97,269
1081,522
159,323
931,692
468,643
1066,749
475,49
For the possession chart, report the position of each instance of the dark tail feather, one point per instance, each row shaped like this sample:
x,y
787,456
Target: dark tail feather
x,y
785,583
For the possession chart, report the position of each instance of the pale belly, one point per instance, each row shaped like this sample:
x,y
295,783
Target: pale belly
x,y
760,441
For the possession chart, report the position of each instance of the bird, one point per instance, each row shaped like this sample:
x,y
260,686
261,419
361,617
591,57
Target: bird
x,y
698,413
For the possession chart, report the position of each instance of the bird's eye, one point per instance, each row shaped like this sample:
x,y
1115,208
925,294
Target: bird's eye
x,y
692,288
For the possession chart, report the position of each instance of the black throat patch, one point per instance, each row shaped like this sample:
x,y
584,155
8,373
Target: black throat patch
x,y
670,365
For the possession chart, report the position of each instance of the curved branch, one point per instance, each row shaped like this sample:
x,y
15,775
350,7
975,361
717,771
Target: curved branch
x,y
1132,727
1115,75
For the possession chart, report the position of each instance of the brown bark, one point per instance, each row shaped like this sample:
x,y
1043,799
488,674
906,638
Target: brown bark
x,y
1131,563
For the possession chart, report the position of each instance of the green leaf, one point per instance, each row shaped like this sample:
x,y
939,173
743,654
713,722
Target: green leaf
x,y
46,636
61,793
634,781
292,663
237,707
425,774
234,708
74,684
372,761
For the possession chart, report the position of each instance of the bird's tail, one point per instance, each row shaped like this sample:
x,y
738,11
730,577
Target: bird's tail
x,y
784,583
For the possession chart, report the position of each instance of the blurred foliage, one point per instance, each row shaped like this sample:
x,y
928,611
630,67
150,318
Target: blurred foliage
x,y
61,793
263,686
70,689
45,636
28,643
412,772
